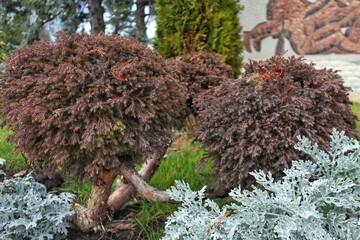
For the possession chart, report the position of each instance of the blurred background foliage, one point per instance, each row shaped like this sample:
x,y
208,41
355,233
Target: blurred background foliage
x,y
214,24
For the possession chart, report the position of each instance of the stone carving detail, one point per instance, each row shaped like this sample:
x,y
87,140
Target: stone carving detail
x,y
325,26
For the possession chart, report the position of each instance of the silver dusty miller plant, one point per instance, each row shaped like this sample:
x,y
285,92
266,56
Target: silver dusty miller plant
x,y
2,173
27,211
317,199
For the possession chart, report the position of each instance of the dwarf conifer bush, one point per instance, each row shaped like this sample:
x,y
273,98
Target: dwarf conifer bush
x,y
317,199
199,71
89,102
28,212
252,123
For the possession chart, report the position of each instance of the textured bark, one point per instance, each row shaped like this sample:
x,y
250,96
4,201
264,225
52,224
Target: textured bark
x,y
96,211
121,196
140,18
125,191
96,15
142,187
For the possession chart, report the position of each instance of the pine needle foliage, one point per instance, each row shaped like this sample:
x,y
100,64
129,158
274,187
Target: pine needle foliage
x,y
317,199
89,102
199,25
2,48
198,72
252,123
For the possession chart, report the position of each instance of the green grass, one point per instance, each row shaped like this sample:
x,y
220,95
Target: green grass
x,y
181,164
82,191
15,162
355,108
178,165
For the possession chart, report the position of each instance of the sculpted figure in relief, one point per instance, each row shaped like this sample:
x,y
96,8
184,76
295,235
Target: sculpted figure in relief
x,y
325,26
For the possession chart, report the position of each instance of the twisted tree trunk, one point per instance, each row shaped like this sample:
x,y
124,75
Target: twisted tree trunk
x,y
96,211
142,187
126,190
102,202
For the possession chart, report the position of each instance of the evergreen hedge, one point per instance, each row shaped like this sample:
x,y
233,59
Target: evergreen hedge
x,y
198,25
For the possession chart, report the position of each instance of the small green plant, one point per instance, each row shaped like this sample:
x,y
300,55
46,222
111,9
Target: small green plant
x,y
28,212
317,199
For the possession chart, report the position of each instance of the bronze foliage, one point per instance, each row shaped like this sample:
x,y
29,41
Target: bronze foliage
x,y
198,72
253,122
88,102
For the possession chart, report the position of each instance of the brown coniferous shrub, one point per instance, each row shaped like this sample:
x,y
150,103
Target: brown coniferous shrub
x,y
252,123
89,102
198,72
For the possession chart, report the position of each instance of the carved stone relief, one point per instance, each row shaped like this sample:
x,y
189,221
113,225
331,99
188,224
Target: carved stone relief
x,y
320,27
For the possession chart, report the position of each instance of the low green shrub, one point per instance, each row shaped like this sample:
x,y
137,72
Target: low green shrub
x,y
317,199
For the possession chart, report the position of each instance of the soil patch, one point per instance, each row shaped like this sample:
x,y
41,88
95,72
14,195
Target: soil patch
x,y
118,229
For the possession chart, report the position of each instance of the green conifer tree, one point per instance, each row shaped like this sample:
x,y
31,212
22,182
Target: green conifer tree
x,y
2,48
185,26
